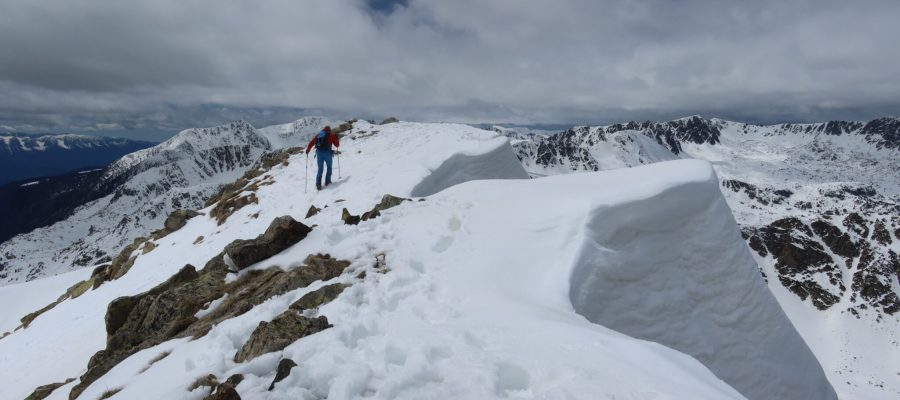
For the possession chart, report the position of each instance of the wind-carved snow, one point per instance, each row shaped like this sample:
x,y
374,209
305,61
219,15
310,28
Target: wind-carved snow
x,y
843,292
500,163
475,302
673,268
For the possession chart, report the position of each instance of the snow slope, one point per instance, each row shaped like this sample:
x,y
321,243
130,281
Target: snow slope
x,y
810,199
476,296
139,190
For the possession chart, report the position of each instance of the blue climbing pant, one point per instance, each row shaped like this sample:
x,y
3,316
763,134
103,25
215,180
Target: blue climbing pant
x,y
323,157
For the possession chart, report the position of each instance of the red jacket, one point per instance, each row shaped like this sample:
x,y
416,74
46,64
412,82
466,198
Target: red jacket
x,y
330,137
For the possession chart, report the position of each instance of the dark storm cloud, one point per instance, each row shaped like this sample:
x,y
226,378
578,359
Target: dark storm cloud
x,y
153,67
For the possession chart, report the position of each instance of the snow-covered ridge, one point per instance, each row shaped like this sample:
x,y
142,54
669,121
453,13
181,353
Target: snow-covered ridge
x,y
464,294
139,190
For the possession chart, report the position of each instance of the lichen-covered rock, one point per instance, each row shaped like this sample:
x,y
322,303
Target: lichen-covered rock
x,y
285,329
282,233
44,391
318,297
255,287
175,221
283,370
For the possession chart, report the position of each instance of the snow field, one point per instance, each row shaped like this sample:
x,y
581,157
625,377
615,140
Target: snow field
x,y
477,302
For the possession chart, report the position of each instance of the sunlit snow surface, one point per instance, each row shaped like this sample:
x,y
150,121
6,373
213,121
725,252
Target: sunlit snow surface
x,y
478,302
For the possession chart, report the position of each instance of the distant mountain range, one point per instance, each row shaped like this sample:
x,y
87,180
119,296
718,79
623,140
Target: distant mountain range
x,y
24,156
83,219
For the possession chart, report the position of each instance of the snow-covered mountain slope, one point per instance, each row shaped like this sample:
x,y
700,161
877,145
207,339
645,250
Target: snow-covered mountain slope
x,y
819,204
25,156
136,193
483,289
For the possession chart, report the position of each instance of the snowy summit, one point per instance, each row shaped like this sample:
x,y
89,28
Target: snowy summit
x,y
447,273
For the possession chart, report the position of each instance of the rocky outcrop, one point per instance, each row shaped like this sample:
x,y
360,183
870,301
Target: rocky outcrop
x,y
798,258
134,323
764,196
282,233
318,297
285,329
175,221
313,210
255,287
42,392
283,371
227,390
387,201
389,120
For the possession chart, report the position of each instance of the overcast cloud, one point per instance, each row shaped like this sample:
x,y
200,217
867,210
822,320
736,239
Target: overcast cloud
x,y
148,68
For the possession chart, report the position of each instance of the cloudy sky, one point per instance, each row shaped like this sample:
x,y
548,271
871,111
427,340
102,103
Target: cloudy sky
x,y
148,68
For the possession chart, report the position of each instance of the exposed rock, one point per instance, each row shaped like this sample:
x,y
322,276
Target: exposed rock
x,y
226,390
389,120
148,247
134,323
764,196
255,287
72,292
839,242
856,223
348,218
798,258
318,297
228,206
282,233
387,202
881,234
43,392
175,221
312,211
875,277
285,329
199,239
283,370
208,380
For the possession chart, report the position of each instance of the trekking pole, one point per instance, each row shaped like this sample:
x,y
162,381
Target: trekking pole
x,y
339,164
306,175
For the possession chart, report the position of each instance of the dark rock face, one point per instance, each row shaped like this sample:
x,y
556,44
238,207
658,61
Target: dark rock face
x,y
798,259
764,196
316,298
285,329
283,371
881,234
837,241
856,223
282,233
884,132
874,278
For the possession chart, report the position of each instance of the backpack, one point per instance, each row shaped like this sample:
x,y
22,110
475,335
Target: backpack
x,y
322,141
